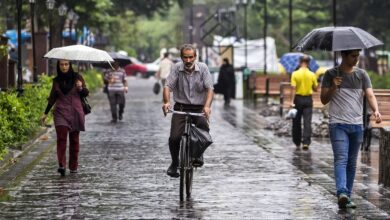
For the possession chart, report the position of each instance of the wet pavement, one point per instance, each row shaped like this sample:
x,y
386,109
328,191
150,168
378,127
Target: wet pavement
x,y
248,174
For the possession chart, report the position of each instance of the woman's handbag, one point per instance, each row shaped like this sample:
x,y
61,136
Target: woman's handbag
x,y
86,107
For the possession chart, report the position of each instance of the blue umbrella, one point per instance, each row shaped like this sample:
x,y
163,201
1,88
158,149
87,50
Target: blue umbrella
x,y
290,62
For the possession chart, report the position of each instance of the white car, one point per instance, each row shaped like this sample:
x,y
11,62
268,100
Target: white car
x,y
152,68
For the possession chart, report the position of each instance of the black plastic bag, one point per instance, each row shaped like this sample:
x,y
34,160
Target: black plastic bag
x,y
199,141
156,88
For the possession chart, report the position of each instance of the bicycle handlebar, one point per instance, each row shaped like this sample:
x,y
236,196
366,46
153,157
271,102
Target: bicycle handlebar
x,y
186,113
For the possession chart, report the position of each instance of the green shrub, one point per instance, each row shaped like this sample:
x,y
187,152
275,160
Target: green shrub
x,y
380,82
93,79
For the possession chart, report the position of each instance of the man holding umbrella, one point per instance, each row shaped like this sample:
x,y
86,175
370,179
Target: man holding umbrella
x,y
344,88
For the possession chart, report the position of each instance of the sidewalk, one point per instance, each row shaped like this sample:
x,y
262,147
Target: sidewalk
x,y
248,174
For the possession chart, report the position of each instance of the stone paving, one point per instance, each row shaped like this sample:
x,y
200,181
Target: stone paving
x,y
248,174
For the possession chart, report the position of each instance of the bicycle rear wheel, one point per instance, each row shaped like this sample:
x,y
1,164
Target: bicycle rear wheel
x,y
182,183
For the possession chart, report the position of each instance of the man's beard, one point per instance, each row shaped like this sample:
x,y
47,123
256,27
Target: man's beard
x,y
189,66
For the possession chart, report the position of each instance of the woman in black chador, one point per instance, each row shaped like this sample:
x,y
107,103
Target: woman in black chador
x,y
226,80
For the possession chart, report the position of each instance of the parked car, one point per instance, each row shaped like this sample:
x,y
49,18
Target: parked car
x,y
136,68
152,68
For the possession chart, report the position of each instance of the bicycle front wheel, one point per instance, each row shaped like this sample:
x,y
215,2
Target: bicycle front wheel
x,y
182,161
189,175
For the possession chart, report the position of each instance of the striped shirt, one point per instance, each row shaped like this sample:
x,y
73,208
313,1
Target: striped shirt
x,y
116,79
190,88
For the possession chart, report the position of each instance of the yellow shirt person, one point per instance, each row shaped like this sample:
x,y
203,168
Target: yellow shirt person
x,y
304,81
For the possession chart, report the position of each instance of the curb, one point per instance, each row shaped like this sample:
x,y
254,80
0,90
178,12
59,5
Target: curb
x,y
19,162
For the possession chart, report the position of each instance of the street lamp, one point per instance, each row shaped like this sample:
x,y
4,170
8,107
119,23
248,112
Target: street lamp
x,y
20,74
32,13
62,12
50,6
265,36
245,3
72,16
290,23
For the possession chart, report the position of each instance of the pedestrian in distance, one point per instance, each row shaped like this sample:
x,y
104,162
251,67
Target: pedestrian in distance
x,y
192,88
69,119
344,88
226,80
164,69
303,83
117,87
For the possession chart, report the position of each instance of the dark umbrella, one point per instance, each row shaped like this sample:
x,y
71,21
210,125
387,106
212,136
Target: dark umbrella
x,y
122,59
290,62
337,39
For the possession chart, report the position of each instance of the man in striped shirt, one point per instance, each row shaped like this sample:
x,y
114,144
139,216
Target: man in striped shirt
x,y
117,87
192,88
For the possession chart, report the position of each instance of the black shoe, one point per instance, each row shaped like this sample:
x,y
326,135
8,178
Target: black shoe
x,y
172,171
113,121
120,117
198,162
61,170
73,171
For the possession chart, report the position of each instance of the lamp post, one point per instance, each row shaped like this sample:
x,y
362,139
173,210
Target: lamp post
x,y
290,23
265,36
245,4
334,24
72,16
50,6
62,12
32,13
20,74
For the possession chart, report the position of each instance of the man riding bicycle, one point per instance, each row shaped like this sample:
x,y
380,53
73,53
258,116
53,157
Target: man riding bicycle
x,y
192,87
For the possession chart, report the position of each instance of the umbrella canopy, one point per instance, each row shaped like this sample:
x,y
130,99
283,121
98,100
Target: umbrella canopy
x,y
118,57
79,53
290,62
122,59
337,39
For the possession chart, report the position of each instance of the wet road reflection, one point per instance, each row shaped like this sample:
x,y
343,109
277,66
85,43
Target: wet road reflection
x,y
248,174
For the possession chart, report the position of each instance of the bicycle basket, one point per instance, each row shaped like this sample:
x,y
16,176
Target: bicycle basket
x,y
199,141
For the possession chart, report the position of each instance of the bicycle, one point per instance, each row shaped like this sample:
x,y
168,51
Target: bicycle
x,y
185,159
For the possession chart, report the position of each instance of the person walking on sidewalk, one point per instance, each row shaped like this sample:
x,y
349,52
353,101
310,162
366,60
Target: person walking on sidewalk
x,y
69,118
117,87
344,88
303,82
226,80
192,88
164,69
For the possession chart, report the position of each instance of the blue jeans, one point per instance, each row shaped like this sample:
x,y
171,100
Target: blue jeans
x,y
346,141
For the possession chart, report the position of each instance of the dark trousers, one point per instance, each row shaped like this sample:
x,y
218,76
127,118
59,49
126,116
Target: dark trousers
x,y
227,94
304,106
116,98
178,126
74,146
